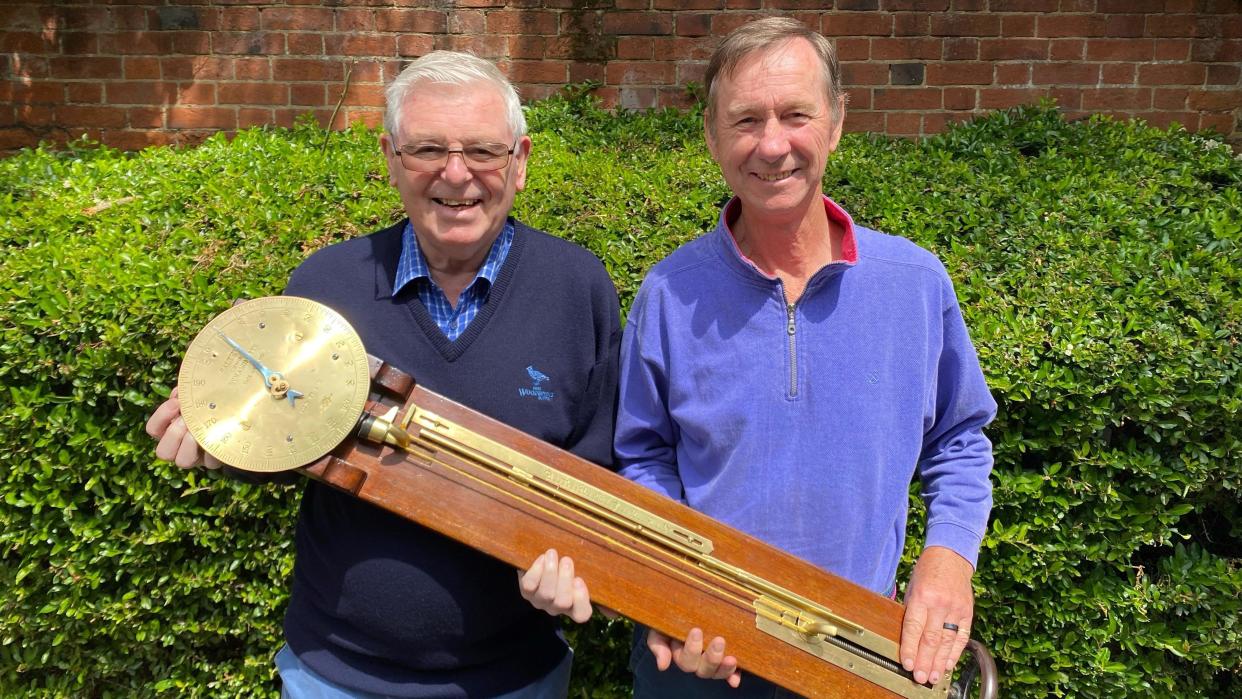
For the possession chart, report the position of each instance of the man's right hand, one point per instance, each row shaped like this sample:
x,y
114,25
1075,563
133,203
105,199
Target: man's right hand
x,y
709,663
176,444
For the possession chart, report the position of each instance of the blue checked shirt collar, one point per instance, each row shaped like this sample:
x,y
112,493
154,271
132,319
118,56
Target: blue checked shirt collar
x,y
412,268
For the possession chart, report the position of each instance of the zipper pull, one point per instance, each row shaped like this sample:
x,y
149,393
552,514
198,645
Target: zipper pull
x,y
790,309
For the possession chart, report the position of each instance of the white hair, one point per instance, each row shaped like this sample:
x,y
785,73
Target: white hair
x,y
453,68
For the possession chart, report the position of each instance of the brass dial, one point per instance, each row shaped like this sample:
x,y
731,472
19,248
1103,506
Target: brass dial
x,y
273,383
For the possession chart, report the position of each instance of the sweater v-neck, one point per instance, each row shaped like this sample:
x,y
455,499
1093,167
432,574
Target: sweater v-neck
x,y
451,350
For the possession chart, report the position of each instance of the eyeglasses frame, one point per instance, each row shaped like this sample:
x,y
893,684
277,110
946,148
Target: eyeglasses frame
x,y
464,160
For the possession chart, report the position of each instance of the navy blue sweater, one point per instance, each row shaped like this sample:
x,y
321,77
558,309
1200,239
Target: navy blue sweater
x,y
384,605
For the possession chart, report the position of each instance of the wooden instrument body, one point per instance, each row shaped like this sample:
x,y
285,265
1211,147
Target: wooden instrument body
x,y
646,582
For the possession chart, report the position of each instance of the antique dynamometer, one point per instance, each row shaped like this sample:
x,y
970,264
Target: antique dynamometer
x,y
283,383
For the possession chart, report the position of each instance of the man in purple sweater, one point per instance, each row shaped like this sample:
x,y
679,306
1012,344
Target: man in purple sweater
x,y
472,303
790,372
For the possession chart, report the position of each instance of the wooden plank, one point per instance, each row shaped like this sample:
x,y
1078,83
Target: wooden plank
x,y
646,581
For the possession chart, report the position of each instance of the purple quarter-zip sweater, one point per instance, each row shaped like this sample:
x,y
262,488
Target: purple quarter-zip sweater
x,y
804,424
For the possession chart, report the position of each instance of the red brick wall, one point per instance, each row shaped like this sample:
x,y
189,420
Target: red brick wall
x,y
139,72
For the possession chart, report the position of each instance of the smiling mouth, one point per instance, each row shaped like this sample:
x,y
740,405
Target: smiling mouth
x,y
774,176
456,203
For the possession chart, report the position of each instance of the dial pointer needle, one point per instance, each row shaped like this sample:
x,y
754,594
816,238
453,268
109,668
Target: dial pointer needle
x,y
267,373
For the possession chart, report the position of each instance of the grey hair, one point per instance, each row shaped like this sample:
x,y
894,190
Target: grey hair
x,y
767,33
453,68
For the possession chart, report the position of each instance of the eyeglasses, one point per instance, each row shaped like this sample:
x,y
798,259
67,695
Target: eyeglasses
x,y
433,157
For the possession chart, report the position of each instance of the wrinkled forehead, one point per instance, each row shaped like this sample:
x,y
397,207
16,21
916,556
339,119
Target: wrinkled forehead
x,y
785,72
468,113
765,59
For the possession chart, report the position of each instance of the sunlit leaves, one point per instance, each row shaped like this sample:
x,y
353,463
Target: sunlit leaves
x,y
1097,264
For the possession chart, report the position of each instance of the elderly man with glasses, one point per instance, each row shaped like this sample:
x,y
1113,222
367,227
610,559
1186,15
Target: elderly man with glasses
x,y
476,306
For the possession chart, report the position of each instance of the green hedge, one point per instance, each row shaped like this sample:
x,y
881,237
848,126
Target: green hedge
x,y
1097,262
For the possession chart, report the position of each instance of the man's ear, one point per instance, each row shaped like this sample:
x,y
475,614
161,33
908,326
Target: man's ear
x,y
386,147
709,133
521,153
839,127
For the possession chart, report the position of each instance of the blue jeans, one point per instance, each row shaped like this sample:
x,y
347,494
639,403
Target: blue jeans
x,y
650,683
300,683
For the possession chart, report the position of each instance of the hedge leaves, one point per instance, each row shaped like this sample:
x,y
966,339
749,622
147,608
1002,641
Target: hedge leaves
x,y
1098,264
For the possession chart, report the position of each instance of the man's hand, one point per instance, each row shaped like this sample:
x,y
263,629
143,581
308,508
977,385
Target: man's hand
x,y
710,663
176,444
550,584
939,594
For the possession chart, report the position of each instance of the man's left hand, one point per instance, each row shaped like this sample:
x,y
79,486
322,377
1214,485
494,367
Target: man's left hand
x,y
550,584
939,595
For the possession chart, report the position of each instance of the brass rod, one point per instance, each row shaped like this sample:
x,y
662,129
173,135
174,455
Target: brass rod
x,y
480,450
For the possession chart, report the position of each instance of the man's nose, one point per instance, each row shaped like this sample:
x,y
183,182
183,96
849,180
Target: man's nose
x,y
773,141
455,169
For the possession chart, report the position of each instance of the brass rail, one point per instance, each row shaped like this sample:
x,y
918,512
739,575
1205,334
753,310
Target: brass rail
x,y
779,612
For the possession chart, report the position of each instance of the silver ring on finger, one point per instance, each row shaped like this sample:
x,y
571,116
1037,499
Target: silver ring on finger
x,y
951,627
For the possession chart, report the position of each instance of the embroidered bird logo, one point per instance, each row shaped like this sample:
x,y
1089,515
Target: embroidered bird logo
x,y
537,376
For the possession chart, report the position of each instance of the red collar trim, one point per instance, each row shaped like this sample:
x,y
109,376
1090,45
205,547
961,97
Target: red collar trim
x,y
849,243
731,211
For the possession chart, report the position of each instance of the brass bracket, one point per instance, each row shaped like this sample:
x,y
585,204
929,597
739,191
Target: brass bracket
x,y
382,429
822,639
